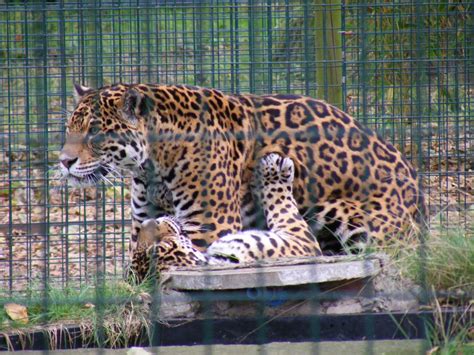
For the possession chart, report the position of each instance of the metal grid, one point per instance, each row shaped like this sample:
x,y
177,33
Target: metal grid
x,y
406,68
409,72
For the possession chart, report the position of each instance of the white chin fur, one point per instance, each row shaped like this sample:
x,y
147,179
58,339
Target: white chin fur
x,y
74,181
77,181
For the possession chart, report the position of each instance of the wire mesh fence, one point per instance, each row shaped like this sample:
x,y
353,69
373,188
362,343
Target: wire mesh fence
x,y
404,68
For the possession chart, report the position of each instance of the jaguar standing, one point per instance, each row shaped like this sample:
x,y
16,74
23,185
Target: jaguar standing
x,y
192,153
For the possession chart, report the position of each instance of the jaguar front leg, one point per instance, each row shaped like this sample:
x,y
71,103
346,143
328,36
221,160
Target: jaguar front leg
x,y
206,196
150,199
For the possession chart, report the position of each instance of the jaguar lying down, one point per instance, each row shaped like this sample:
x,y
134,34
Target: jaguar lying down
x,y
192,153
165,240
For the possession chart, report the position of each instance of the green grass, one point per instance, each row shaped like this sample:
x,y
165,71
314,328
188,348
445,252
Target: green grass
x,y
112,314
453,336
445,263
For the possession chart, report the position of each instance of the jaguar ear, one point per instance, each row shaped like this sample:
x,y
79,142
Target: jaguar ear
x,y
132,102
80,91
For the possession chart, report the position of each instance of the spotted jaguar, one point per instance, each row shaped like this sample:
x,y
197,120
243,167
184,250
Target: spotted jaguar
x,y
192,153
164,240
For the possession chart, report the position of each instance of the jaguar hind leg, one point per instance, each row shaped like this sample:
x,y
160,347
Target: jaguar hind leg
x,y
350,226
340,225
289,234
275,177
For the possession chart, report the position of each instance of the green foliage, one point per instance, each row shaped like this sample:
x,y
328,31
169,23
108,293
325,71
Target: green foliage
x,y
83,305
453,335
447,261
444,260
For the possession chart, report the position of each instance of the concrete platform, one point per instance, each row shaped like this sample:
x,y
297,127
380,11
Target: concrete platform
x,y
278,273
341,285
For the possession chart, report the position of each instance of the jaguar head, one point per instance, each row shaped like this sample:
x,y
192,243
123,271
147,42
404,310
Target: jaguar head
x,y
104,135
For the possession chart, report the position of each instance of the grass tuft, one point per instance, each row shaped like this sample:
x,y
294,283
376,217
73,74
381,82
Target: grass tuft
x,y
112,314
443,261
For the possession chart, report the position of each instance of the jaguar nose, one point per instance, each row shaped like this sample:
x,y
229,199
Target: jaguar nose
x,y
68,162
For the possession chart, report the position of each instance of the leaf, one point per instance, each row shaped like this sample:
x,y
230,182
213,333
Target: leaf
x,y
17,312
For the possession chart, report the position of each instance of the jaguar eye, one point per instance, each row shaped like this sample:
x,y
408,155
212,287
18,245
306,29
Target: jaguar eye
x,y
94,130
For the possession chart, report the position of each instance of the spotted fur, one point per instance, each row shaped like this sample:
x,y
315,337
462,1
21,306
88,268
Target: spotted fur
x,y
166,241
192,153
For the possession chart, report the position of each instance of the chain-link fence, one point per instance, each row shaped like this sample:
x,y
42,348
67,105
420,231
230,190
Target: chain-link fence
x,y
404,68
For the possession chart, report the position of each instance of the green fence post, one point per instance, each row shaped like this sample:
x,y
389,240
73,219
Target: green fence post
x,y
327,26
201,28
92,44
257,16
38,143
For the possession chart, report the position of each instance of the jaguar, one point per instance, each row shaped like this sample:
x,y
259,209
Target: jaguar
x,y
192,152
163,244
